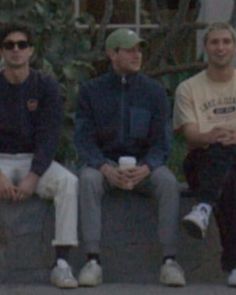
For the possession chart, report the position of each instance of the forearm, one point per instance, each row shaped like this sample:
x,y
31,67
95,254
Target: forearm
x,y
91,155
158,152
197,139
160,141
47,135
86,145
219,135
104,169
154,158
42,159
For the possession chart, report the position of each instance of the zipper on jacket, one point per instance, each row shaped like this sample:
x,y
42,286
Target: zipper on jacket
x,y
122,109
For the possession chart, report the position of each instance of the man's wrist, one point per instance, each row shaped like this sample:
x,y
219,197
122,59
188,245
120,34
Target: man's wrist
x,y
34,176
103,169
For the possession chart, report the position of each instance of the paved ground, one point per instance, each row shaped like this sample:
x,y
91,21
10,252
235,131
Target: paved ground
x,y
120,289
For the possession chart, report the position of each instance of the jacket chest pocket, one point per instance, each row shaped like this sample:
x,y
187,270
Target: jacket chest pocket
x,y
139,122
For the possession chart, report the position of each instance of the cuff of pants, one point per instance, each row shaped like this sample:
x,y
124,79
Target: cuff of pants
x,y
228,262
92,247
169,250
65,243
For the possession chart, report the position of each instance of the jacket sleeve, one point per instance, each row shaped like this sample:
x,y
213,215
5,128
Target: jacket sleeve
x,y
85,132
160,132
47,126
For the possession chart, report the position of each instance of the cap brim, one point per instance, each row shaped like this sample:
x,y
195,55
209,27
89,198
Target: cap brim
x,y
132,43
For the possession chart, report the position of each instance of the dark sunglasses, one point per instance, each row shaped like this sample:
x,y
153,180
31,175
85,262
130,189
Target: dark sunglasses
x,y
9,45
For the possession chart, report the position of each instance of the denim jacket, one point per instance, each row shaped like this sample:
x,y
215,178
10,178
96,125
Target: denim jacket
x,y
118,116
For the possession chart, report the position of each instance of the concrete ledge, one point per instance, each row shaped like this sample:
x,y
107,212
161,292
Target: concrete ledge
x,y
26,230
130,249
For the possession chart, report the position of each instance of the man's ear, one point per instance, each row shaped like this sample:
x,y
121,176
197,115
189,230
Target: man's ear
x,y
31,51
110,53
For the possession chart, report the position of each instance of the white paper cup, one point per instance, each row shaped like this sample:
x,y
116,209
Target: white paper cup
x,y
127,162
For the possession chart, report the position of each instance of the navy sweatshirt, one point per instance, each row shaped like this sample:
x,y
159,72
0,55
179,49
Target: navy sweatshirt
x,y
30,118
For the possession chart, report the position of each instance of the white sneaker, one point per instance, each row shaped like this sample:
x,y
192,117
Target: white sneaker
x,y
232,278
91,274
61,275
172,274
197,221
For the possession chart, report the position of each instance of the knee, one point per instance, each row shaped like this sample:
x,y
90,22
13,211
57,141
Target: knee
x,y
90,175
68,179
74,180
163,176
91,186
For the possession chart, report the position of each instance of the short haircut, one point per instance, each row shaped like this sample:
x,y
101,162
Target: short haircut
x,y
217,26
9,28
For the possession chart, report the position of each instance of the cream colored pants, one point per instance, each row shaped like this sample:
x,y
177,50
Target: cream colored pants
x,y
56,183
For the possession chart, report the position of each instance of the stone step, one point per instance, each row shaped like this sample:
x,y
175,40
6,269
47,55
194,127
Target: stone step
x,y
130,248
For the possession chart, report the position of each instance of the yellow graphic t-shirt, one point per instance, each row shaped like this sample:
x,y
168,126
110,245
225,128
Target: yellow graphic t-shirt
x,y
205,102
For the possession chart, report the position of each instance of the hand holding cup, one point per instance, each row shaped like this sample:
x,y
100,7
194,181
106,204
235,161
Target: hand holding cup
x,y
126,163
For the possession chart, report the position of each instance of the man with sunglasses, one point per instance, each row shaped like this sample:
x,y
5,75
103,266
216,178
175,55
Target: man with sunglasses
x,y
30,123
124,112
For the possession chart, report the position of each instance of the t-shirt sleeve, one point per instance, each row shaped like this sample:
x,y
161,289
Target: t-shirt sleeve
x,y
184,109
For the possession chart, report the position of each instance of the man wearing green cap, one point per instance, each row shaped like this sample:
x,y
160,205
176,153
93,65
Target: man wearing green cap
x,y
125,113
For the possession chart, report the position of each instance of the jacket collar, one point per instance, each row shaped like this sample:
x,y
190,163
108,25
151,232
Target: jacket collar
x,y
118,80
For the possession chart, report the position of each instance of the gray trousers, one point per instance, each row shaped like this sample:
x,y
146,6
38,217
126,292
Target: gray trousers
x,y
161,184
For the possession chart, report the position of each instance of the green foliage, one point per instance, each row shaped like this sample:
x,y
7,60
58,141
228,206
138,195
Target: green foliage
x,y
177,156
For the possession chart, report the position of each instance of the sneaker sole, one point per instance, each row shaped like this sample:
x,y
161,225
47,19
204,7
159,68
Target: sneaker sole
x,y
192,229
173,284
86,283
64,286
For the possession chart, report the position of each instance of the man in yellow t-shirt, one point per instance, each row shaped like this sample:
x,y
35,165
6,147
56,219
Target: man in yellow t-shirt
x,y
205,112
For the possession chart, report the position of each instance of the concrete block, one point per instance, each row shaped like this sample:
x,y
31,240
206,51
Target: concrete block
x,y
130,247
25,240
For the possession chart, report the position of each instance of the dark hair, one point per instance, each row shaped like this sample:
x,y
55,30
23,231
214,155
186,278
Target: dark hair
x,y
9,28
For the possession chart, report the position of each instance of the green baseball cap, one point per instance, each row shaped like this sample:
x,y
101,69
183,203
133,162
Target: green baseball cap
x,y
123,38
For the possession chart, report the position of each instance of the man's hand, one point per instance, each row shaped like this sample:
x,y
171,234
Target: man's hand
x,y
27,186
135,175
218,135
115,176
7,188
197,139
229,139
